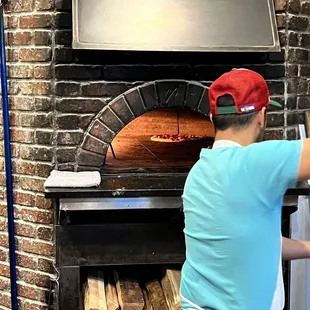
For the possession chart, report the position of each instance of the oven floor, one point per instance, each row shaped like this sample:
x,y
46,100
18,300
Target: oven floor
x,y
140,152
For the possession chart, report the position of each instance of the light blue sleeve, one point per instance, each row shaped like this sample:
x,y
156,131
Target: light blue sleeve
x,y
278,162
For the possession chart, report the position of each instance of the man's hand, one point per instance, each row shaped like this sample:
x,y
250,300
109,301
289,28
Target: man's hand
x,y
295,249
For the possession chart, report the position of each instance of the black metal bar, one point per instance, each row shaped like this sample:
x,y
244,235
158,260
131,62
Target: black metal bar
x,y
112,150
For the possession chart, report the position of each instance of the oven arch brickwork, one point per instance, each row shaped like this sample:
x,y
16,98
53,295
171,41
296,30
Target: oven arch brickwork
x,y
130,105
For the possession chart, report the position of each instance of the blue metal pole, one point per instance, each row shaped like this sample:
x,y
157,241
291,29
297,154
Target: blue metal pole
x,y
8,163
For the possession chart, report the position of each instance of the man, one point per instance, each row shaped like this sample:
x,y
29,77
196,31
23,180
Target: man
x,y
232,204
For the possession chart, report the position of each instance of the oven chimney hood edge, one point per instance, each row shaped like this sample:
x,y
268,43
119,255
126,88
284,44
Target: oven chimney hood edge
x,y
175,25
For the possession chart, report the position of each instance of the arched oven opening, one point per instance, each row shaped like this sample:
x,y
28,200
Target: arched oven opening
x,y
163,140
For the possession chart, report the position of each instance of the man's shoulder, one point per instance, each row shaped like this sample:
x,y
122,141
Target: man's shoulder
x,y
274,145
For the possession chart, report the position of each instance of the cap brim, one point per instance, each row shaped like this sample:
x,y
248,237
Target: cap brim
x,y
275,104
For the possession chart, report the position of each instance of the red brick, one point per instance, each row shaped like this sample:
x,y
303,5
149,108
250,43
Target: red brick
x,y
13,88
30,292
280,5
25,230
43,104
19,38
20,71
24,199
34,88
34,278
44,5
24,103
4,285
35,54
4,255
40,120
5,300
45,233
4,241
24,167
42,72
12,55
42,203
32,184
40,153
15,149
13,118
11,22
26,261
281,19
45,265
2,179
22,135
3,224
19,6
43,38
36,216
2,193
28,305
36,247
43,170
3,209
36,21
4,270
16,178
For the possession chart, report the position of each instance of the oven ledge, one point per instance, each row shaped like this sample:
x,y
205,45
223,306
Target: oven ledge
x,y
79,204
135,185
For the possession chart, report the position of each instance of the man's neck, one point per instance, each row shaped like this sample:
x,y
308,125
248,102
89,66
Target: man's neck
x,y
240,137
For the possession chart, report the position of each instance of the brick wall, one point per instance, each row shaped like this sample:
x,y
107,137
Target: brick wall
x,y
55,92
29,37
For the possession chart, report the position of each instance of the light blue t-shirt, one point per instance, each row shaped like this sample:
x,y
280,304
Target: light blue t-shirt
x,y
232,205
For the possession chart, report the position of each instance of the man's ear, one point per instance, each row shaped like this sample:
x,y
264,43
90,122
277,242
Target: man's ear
x,y
261,117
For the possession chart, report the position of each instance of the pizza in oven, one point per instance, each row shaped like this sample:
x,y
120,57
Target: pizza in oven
x,y
176,138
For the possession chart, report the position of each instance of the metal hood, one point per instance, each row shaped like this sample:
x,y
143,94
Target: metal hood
x,y
175,25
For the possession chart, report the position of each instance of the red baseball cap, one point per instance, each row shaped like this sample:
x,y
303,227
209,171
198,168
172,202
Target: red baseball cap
x,y
248,89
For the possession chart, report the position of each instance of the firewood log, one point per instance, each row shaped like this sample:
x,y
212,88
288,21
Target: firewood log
x,y
171,287
94,296
129,293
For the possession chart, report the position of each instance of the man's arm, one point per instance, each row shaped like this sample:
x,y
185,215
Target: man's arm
x,y
304,163
295,249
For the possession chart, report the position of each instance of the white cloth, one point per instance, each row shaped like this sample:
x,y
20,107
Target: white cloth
x,y
73,179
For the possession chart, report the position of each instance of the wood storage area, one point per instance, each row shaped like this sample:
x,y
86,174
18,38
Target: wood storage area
x,y
132,288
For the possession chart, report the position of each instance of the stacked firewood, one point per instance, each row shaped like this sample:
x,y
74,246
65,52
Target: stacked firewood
x,y
116,290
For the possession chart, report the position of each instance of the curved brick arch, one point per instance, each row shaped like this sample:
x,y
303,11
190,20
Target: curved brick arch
x,y
130,105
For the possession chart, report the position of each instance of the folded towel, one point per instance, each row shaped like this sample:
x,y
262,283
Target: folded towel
x,y
73,179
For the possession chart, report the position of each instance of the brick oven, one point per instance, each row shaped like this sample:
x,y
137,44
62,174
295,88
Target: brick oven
x,y
68,106
134,218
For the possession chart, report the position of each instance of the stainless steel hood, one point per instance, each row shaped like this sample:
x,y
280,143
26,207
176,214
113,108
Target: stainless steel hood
x,y
175,25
